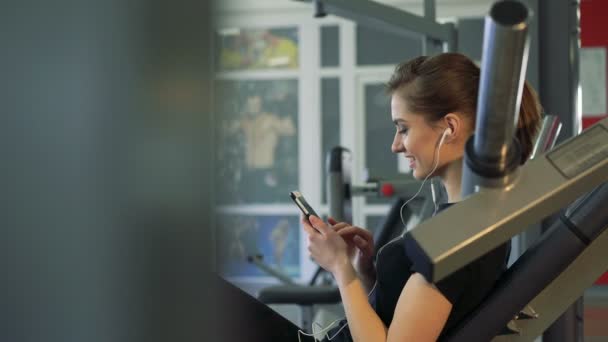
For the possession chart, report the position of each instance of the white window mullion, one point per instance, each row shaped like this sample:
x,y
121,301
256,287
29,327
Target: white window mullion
x,y
376,210
365,76
258,209
349,134
309,130
267,74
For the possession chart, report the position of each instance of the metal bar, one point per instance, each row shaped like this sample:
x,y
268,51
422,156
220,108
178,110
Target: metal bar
x,y
545,140
390,187
564,290
257,260
532,74
503,70
335,183
377,15
547,136
429,10
559,82
492,156
566,327
545,185
539,266
367,189
319,9
429,45
452,44
559,62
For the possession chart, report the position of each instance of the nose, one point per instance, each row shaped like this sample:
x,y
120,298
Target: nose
x,y
397,145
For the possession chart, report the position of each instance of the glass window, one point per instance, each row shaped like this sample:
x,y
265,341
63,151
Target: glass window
x,y
380,161
274,237
330,46
257,147
330,121
240,49
593,80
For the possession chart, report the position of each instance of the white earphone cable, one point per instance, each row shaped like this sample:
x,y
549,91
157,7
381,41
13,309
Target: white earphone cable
x,y
436,160
315,333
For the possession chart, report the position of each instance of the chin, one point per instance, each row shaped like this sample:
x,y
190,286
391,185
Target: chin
x,y
418,175
422,174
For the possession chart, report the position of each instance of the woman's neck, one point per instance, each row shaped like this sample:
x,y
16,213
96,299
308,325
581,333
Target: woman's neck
x,y
451,178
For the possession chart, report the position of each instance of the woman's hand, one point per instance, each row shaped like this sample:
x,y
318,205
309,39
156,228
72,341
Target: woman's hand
x,y
360,249
326,246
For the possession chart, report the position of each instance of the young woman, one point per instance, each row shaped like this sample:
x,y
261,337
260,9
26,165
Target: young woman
x,y
432,99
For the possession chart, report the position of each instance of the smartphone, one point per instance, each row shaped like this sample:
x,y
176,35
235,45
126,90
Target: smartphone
x,y
299,200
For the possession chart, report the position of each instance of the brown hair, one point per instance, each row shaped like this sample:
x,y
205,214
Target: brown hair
x,y
449,83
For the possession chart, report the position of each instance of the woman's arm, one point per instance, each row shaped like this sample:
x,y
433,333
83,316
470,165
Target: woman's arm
x,y
361,251
330,251
421,312
368,281
363,321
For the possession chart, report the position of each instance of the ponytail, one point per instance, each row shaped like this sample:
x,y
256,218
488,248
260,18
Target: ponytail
x,y
528,122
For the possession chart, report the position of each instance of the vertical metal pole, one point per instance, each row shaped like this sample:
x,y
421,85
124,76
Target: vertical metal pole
x,y
559,94
522,241
559,62
430,46
491,157
335,183
452,44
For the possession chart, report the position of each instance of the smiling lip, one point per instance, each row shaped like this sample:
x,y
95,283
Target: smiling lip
x,y
412,162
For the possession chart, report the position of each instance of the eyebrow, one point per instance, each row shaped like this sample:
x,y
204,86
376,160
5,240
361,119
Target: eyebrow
x,y
396,121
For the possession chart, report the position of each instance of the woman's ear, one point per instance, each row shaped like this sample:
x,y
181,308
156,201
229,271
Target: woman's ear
x,y
455,126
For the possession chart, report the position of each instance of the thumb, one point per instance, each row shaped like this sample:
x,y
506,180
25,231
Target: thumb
x,y
318,224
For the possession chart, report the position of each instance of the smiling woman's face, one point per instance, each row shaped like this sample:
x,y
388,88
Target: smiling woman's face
x,y
415,138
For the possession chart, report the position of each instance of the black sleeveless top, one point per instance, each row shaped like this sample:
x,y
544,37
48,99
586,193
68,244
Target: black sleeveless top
x,y
465,288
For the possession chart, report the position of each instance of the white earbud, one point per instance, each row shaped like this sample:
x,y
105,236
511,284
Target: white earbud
x,y
448,131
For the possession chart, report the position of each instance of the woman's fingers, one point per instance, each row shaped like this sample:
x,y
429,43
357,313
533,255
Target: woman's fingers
x,y
338,226
359,241
331,221
362,238
364,246
351,230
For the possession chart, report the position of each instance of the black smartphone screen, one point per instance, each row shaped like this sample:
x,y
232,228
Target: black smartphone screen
x,y
300,201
